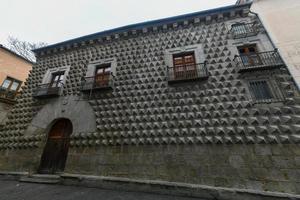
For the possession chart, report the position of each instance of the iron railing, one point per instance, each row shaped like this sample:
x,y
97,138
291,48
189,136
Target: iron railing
x,y
8,95
256,61
188,72
242,30
48,90
97,82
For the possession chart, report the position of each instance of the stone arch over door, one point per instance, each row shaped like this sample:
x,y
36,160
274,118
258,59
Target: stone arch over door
x,y
78,111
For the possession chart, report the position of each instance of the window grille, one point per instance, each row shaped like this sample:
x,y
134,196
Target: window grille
x,y
261,90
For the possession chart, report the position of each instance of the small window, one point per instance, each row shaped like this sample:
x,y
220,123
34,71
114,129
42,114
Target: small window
x,y
11,84
239,29
260,90
57,79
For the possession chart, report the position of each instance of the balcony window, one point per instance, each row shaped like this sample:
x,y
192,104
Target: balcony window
x,y
185,68
250,59
102,78
51,89
241,30
57,79
102,75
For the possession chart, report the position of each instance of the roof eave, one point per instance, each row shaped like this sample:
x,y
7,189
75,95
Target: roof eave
x,y
15,54
141,25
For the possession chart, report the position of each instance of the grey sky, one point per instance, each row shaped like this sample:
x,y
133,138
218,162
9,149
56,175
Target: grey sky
x,y
53,21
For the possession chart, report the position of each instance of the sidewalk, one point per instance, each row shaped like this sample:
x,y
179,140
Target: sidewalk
x,y
14,190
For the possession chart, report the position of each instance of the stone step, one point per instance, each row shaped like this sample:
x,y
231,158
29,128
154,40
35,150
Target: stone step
x,y
41,178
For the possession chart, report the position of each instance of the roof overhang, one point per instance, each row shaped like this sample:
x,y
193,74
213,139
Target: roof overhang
x,y
133,28
15,54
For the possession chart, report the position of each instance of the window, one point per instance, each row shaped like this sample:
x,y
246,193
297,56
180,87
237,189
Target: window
x,y
260,90
239,29
102,75
57,79
249,55
11,84
184,65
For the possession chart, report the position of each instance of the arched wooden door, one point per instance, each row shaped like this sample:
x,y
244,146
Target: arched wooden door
x,y
56,150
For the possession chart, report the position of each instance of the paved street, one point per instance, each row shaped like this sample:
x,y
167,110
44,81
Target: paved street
x,y
13,190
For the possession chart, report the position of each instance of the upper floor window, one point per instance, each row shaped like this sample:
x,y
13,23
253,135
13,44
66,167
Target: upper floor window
x,y
184,65
102,75
57,79
240,30
52,84
250,58
249,55
11,84
99,75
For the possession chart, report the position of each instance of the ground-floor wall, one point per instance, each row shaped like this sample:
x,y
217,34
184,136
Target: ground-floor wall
x,y
258,167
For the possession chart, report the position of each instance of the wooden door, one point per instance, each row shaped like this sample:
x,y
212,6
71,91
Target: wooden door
x,y
102,76
56,150
184,66
249,55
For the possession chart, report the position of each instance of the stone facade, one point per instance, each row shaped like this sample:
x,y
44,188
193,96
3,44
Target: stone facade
x,y
209,131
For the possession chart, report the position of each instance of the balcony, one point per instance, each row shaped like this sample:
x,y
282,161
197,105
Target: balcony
x,y
48,90
99,82
188,72
8,96
242,30
258,61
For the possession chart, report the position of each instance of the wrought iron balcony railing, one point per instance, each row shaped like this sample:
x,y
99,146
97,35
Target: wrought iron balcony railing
x,y
48,90
242,30
97,82
258,61
187,72
8,95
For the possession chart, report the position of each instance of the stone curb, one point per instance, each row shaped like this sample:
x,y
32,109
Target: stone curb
x,y
7,175
173,188
160,187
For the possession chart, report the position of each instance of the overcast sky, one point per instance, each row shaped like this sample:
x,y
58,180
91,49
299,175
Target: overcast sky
x,y
53,21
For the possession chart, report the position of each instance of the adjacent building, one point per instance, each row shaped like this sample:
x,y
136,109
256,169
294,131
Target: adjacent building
x,y
281,20
200,98
14,70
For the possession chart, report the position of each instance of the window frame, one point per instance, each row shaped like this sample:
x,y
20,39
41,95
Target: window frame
x,y
12,80
197,49
103,78
60,81
275,91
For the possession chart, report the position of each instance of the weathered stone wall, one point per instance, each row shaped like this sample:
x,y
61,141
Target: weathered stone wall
x,y
4,109
208,132
258,167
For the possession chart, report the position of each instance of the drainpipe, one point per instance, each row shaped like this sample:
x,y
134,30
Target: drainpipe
x,y
274,46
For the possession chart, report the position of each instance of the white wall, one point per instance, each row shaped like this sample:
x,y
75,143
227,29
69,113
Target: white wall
x,y
282,20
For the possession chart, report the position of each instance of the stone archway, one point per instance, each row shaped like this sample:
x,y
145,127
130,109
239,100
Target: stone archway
x,y
55,153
